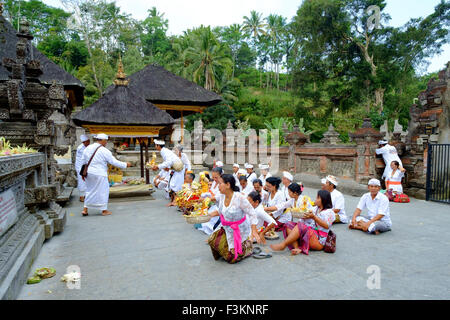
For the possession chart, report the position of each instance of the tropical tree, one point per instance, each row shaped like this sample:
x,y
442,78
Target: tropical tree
x,y
209,60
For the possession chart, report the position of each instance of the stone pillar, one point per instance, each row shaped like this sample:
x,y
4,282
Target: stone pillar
x,y
331,136
366,139
295,139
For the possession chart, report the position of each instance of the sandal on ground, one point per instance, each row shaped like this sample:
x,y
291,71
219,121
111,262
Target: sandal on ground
x,y
85,214
262,255
107,213
256,250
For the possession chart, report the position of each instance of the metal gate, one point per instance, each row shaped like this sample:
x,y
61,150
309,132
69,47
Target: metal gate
x,y
438,173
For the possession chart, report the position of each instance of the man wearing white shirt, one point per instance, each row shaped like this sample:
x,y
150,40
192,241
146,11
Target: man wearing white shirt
x,y
172,161
81,185
264,168
377,205
389,154
235,173
97,185
250,174
286,181
246,187
337,198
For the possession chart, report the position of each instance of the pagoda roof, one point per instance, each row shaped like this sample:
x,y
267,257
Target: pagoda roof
x,y
122,106
160,86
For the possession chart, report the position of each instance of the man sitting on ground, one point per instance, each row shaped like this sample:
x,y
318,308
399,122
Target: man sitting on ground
x,y
337,198
377,205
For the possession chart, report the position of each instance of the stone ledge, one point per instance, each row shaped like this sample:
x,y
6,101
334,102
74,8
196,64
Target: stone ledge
x,y
18,273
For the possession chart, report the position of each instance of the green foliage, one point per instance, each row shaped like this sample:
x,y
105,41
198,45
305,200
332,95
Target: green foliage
x,y
322,67
216,117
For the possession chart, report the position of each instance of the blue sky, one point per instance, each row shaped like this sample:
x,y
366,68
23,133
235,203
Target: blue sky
x,y
184,14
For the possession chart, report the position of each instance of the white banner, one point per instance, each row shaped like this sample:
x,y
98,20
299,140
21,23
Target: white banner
x,y
8,211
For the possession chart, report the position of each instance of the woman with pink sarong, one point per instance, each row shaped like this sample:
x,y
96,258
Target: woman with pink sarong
x,y
232,241
310,232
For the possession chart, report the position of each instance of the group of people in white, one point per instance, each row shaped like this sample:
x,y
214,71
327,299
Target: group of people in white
x,y
248,209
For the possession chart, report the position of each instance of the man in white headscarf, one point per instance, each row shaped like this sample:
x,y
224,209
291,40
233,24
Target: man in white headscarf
x,y
337,199
81,185
97,185
172,161
286,182
264,168
389,154
251,175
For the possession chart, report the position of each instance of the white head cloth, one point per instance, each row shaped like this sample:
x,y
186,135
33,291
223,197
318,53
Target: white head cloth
x,y
288,175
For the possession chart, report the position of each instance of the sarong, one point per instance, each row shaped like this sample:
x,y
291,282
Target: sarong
x,y
219,247
81,185
305,234
97,192
177,180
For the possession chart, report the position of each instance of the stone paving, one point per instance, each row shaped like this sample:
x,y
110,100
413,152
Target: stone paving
x,y
147,251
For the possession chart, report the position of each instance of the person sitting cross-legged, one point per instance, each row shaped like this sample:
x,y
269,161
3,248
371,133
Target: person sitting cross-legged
x,y
377,205
310,232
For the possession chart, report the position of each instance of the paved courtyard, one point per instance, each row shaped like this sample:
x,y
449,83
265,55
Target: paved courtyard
x,y
147,251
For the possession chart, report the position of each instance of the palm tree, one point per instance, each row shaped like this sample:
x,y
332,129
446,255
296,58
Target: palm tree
x,y
254,26
209,58
275,27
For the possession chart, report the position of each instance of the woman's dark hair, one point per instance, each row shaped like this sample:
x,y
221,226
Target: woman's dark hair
x,y
229,178
325,196
255,196
242,178
207,176
396,163
218,170
258,181
295,188
191,175
274,181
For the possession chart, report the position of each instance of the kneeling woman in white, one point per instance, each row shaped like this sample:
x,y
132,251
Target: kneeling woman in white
x,y
232,240
394,179
97,185
276,197
255,200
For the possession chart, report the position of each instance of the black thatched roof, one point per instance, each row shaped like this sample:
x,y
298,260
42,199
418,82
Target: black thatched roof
x,y
52,71
160,86
121,106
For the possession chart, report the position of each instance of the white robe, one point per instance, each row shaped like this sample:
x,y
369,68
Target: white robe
x,y
186,161
78,163
338,200
177,180
389,154
396,177
97,185
250,177
263,179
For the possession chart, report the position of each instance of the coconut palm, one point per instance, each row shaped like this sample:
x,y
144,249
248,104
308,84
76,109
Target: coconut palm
x,y
209,58
254,25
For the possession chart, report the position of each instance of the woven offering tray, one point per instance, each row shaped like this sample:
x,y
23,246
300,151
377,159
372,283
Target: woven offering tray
x,y
197,219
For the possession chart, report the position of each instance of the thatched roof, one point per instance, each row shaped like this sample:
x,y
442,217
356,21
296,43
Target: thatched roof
x,y
51,71
160,86
121,106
